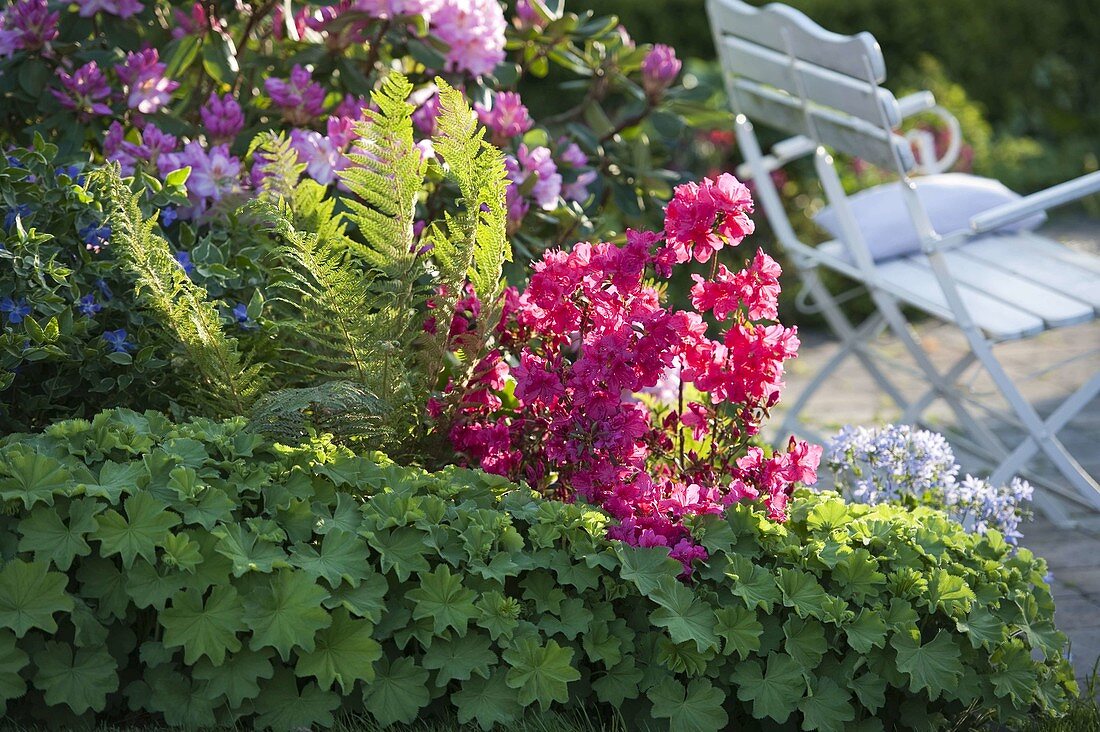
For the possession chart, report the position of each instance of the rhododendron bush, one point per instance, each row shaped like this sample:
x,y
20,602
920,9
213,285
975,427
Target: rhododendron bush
x,y
158,85
602,390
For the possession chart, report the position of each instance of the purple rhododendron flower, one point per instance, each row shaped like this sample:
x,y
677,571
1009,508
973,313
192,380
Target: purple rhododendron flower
x,y
222,117
659,70
85,90
507,117
300,98
474,33
27,25
121,8
143,75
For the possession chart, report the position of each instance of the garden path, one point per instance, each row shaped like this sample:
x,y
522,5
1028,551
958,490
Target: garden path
x,y
1073,555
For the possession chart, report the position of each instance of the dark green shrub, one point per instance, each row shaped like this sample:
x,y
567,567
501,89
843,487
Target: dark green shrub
x,y
198,572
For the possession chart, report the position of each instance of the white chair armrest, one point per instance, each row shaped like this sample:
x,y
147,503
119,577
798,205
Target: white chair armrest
x,y
1058,195
916,103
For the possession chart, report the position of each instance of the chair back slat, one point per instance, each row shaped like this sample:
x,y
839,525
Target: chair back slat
x,y
821,85
785,71
830,128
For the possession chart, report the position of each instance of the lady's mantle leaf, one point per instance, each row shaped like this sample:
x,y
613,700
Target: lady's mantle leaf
x,y
30,594
460,657
684,615
238,678
342,556
12,661
802,592
208,629
934,666
286,613
57,541
541,673
442,598
752,583
282,707
32,477
139,533
698,708
826,707
645,567
81,682
740,629
775,692
345,653
398,692
490,701
868,629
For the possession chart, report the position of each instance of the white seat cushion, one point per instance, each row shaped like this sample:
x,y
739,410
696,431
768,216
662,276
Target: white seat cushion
x,y
951,200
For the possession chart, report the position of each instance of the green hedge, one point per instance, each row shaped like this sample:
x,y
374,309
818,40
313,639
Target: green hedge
x,y
198,572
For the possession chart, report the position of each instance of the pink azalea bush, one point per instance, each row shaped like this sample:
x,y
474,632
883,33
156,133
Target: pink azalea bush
x,y
566,402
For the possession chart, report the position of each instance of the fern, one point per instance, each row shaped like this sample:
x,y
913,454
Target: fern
x,y
230,383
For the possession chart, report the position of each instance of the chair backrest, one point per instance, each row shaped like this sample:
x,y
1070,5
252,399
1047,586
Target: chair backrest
x,y
785,71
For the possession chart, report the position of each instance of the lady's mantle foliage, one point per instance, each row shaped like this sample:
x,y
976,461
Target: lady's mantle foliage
x,y
590,333
899,464
200,573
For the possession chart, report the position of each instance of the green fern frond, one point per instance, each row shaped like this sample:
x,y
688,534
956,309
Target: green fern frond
x,y
230,383
342,408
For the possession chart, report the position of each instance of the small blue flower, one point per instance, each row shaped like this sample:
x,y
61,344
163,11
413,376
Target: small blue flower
x,y
168,216
184,258
102,285
116,339
20,211
14,162
96,236
73,173
88,306
16,310
240,312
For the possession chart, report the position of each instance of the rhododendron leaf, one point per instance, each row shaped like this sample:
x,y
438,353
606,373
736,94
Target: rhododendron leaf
x,y
342,556
540,673
931,666
459,657
149,587
366,600
31,477
572,619
740,629
115,479
144,527
950,593
204,628
345,653
1013,675
442,598
248,552
282,707
802,592
286,612
870,688
646,566
684,616
237,679
826,707
402,551
982,628
752,583
619,683
490,701
774,692
398,692
867,630
30,595
57,541
81,681
697,708
12,661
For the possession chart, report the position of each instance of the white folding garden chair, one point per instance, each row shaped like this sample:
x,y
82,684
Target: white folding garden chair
x,y
786,72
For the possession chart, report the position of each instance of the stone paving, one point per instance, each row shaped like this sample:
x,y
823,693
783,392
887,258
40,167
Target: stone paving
x,y
1073,554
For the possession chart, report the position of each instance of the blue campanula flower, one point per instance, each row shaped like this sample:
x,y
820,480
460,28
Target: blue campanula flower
x,y
96,236
103,287
72,172
88,306
240,313
184,258
20,211
15,310
116,339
